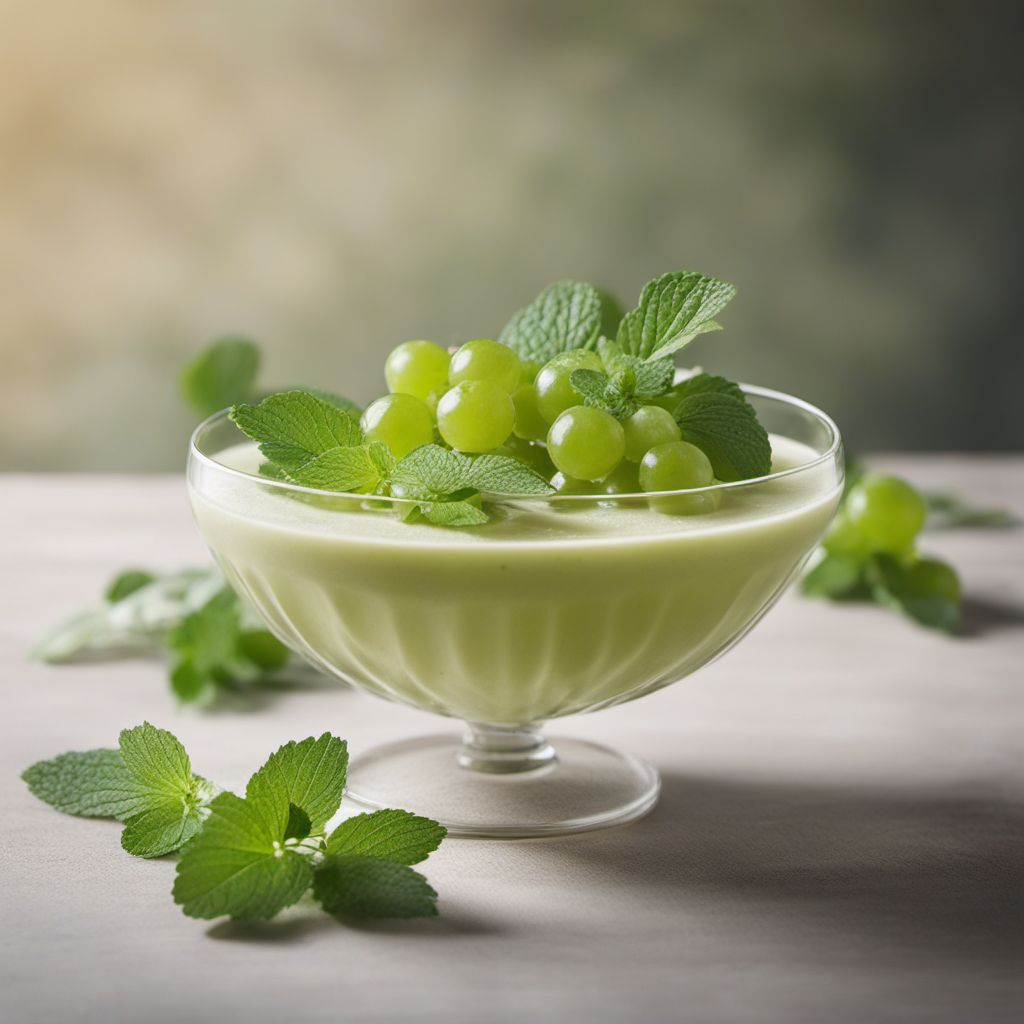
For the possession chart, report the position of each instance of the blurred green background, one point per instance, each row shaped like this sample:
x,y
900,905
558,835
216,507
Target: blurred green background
x,y
333,178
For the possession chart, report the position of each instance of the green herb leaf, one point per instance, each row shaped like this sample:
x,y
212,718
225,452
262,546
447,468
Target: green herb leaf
x,y
239,865
502,474
223,374
707,383
727,430
650,379
310,439
672,311
432,472
174,799
397,836
309,774
333,398
452,513
950,511
910,588
350,886
835,577
566,315
126,583
90,784
614,394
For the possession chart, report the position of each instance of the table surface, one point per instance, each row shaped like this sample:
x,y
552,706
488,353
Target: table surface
x,y
840,836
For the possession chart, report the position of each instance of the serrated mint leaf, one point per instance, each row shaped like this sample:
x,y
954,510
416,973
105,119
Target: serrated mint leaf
x,y
502,474
238,865
431,471
356,470
299,826
173,800
205,648
332,398
126,583
351,886
453,513
704,383
309,774
909,588
90,784
590,385
162,829
649,379
296,430
727,430
398,836
834,577
613,394
673,309
566,315
222,375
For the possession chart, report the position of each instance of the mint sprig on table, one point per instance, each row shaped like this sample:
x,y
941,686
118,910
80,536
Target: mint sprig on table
x,y
250,857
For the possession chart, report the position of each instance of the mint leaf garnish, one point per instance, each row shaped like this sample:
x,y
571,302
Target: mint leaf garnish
x,y
501,474
238,865
727,430
705,383
351,886
441,481
313,442
672,311
309,775
91,784
614,394
173,799
566,315
225,373
333,398
398,836
127,583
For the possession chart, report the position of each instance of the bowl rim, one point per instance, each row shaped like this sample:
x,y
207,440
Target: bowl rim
x,y
830,454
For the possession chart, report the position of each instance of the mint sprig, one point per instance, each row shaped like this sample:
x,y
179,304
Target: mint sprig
x,y
714,414
673,310
147,783
249,858
566,315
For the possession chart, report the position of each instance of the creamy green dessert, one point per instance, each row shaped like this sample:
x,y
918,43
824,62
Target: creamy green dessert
x,y
553,607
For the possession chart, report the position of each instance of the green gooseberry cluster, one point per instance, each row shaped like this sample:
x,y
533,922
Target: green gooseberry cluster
x,y
483,398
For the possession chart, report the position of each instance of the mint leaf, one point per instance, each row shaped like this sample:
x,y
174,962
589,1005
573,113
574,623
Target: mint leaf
x,y
90,784
432,472
351,886
393,835
566,315
950,511
705,383
910,588
223,374
303,435
726,429
834,577
650,379
613,395
332,398
299,826
126,583
309,774
239,865
173,800
205,647
450,513
672,311
502,474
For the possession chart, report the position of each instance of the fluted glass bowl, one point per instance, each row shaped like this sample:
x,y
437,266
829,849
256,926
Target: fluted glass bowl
x,y
559,605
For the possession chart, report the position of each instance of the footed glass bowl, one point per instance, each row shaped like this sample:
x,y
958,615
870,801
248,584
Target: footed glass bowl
x,y
560,605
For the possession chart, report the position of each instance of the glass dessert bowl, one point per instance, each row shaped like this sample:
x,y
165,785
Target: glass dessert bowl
x,y
560,605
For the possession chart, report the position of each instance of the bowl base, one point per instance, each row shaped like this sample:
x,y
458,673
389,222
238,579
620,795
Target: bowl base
x,y
585,786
